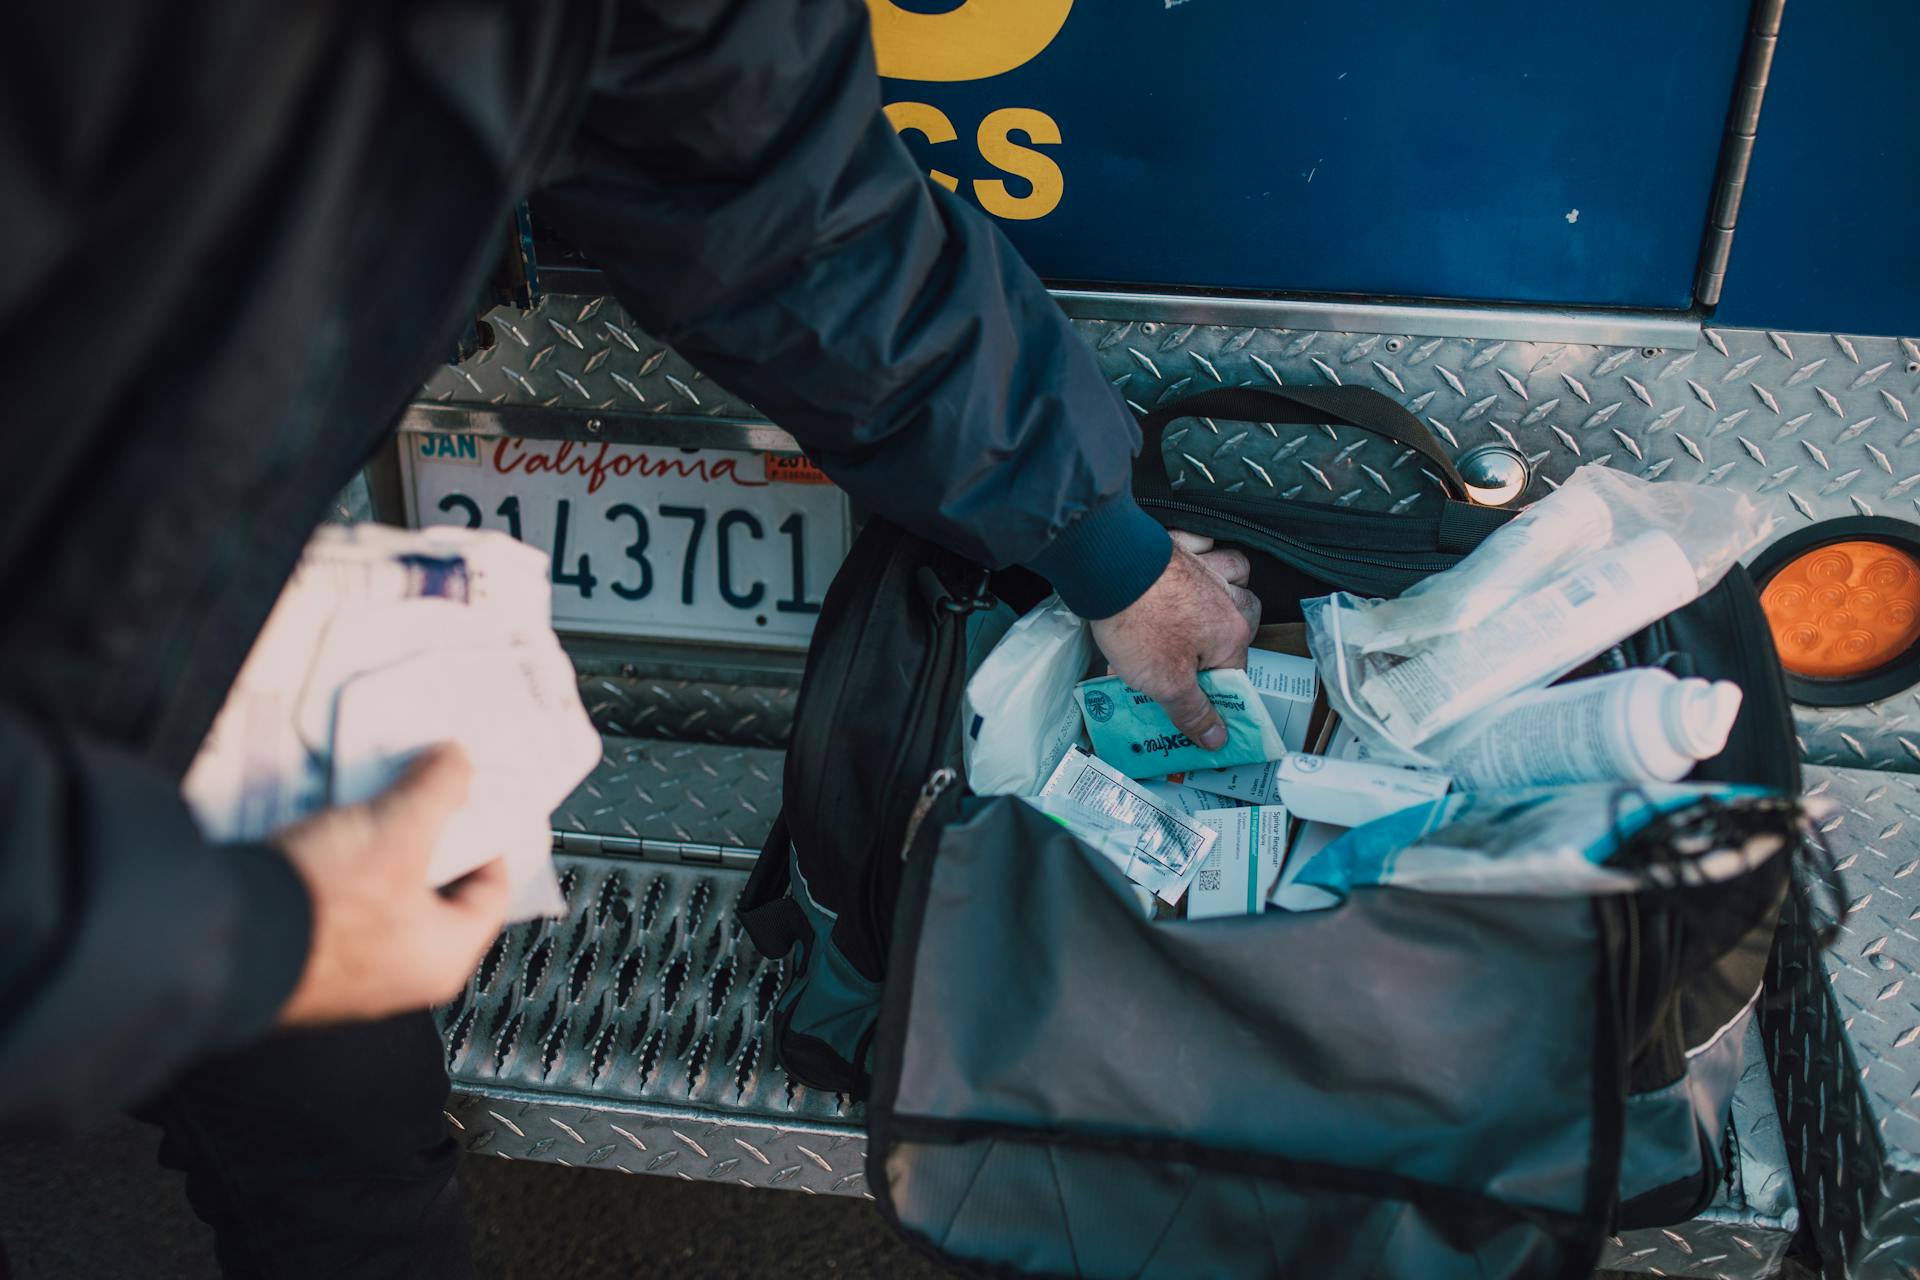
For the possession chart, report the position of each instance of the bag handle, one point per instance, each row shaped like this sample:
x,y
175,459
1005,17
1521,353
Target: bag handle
x,y
1360,407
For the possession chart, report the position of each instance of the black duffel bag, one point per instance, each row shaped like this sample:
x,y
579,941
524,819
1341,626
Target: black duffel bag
x,y
1409,1084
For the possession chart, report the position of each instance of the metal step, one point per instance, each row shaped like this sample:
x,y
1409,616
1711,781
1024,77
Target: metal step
x,y
680,801
631,1034
1883,735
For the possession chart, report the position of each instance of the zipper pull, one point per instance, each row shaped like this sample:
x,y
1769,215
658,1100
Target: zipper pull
x,y
936,784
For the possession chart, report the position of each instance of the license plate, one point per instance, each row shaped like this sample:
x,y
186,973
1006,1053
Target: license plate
x,y
697,544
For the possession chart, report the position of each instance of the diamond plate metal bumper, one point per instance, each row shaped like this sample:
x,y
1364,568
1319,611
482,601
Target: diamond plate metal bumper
x,y
689,710
1846,1070
696,1146
649,796
1827,423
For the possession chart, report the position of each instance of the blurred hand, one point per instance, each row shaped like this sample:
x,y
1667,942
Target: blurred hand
x,y
1197,616
383,941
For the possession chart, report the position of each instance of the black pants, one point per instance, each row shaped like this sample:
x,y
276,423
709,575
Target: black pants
x,y
323,1153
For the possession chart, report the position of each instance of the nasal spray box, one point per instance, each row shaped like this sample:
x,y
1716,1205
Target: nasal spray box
x,y
1243,866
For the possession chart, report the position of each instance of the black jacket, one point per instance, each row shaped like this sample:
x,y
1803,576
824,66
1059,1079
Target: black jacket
x,y
237,237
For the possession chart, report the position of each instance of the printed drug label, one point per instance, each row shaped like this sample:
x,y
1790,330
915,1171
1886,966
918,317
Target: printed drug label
x,y
1153,846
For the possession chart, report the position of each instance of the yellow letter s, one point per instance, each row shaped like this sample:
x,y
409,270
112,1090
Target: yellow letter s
x,y
998,149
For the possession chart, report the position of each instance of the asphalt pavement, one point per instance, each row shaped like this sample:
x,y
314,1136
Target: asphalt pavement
x,y
100,1209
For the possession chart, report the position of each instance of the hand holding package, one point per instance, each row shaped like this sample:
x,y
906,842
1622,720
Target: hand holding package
x,y
1130,731
384,642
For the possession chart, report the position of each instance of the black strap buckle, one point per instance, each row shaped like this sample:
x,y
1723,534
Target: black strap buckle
x,y
941,597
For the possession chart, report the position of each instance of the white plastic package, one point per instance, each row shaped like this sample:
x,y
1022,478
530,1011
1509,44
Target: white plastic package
x,y
1578,571
1020,714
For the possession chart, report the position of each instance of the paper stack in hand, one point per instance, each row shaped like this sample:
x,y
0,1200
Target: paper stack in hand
x,y
385,642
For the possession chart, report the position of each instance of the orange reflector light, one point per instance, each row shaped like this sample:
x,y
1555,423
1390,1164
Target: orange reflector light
x,y
1844,609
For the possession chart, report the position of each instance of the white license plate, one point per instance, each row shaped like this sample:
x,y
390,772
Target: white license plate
x,y
699,544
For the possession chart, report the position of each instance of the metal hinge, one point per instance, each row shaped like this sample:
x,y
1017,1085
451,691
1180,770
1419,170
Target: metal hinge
x,y
684,852
1736,151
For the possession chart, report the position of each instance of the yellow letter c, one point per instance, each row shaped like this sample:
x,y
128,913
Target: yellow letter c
x,y
979,39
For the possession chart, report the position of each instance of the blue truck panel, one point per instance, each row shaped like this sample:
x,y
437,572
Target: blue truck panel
x,y
1497,150
1826,238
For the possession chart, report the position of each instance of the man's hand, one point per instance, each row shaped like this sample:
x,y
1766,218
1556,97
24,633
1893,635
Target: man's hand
x,y
383,941
1197,616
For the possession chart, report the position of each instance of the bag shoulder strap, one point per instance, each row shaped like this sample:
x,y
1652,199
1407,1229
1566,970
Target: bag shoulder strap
x,y
1463,523
1360,407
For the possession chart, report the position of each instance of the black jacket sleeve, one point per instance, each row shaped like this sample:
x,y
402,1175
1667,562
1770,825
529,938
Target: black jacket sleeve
x,y
735,177
128,945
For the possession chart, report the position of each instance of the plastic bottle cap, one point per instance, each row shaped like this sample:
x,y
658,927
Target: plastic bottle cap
x,y
1700,715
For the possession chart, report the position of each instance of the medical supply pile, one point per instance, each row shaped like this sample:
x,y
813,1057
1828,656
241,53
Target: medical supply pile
x,y
1421,741
384,642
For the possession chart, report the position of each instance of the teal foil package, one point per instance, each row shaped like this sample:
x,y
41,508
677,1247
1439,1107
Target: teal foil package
x,y
1131,733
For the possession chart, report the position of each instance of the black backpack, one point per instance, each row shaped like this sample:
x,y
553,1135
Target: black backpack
x,y
875,798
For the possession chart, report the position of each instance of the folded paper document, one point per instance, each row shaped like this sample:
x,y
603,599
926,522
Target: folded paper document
x,y
1152,845
1130,732
384,642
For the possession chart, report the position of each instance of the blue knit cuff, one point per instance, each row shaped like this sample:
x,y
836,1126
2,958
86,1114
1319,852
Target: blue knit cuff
x,y
1105,560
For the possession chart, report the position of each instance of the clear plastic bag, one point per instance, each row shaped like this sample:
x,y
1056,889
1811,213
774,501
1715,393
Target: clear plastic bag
x,y
1578,571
